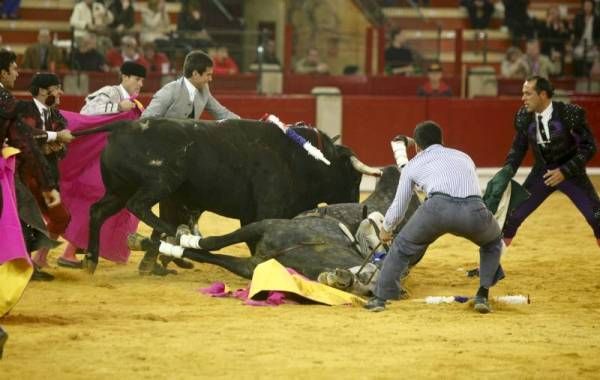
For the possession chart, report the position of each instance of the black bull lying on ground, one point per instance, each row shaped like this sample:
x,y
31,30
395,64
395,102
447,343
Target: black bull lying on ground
x,y
242,169
310,243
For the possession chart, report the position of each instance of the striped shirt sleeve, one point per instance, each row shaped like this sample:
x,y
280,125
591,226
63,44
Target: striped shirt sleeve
x,y
397,209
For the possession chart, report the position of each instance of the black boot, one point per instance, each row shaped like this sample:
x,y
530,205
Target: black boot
x,y
481,303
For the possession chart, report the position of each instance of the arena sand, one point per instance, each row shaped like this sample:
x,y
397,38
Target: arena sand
x,y
117,324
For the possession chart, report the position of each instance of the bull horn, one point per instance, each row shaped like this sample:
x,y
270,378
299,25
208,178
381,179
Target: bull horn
x,y
364,168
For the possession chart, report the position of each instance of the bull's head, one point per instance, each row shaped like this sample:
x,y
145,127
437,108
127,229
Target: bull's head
x,y
339,182
352,169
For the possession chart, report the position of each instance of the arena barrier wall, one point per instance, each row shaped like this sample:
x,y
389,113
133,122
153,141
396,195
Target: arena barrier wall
x,y
482,127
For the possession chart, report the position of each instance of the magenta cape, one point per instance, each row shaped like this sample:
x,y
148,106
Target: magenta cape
x,y
12,243
81,186
15,266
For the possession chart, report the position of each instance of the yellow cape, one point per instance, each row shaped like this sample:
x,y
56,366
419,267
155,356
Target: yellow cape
x,y
272,276
14,277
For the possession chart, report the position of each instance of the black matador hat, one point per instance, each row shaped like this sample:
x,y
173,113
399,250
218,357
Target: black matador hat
x,y
44,80
132,68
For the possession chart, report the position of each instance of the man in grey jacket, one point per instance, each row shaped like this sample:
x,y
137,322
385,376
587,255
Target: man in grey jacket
x,y
113,99
187,97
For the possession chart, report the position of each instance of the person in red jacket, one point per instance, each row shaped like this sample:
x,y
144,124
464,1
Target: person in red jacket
x,y
158,62
127,52
223,63
434,86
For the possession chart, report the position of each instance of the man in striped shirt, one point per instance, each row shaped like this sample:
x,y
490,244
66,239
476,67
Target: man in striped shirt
x,y
453,205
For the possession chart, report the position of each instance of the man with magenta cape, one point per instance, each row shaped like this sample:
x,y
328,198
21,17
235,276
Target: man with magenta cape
x,y
81,186
80,178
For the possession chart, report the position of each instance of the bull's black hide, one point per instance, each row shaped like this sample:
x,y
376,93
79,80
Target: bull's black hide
x,y
242,169
310,243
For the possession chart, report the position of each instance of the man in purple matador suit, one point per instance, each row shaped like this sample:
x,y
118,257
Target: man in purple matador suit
x,y
562,144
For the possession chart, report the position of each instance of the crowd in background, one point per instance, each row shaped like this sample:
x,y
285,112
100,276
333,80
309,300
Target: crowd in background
x,y
106,34
539,46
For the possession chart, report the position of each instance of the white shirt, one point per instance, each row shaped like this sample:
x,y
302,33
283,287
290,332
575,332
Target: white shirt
x,y
44,109
546,116
191,88
437,169
124,93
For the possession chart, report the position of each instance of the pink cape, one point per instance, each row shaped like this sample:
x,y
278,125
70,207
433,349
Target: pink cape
x,y
274,297
12,243
81,186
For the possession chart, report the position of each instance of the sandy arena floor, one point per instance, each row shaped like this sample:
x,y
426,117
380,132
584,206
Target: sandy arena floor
x,y
117,324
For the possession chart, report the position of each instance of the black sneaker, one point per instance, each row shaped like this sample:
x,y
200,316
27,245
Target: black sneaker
x,y
375,304
482,305
39,275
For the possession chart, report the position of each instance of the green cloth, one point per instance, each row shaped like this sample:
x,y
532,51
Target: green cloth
x,y
496,189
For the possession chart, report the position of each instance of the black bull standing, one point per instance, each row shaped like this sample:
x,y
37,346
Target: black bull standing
x,y
242,169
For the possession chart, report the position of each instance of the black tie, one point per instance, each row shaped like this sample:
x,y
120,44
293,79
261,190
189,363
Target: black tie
x,y
46,119
545,138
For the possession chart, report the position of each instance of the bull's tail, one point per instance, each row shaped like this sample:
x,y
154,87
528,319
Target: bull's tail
x,y
103,128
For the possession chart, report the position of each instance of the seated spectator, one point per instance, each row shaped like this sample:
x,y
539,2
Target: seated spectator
x,y
124,18
312,64
10,9
480,12
127,52
553,33
513,65
86,57
223,64
517,20
158,62
92,17
434,86
190,23
539,64
586,37
269,54
155,22
42,56
399,58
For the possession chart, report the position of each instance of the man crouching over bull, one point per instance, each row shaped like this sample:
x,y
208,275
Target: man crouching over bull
x,y
454,205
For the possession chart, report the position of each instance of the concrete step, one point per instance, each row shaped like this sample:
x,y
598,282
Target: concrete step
x,y
534,3
451,17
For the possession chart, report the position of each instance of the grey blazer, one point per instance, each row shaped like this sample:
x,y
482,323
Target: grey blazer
x,y
173,101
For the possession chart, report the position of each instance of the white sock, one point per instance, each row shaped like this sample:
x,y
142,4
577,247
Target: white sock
x,y
170,249
190,241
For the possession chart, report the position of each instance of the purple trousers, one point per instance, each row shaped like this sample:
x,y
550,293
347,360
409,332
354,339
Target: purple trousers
x,y
579,189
